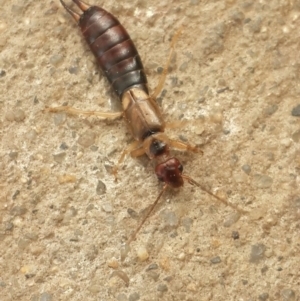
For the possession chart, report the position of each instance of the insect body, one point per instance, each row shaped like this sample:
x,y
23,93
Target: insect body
x,y
119,60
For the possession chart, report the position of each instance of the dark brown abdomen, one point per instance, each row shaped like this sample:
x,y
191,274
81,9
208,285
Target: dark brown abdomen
x,y
113,49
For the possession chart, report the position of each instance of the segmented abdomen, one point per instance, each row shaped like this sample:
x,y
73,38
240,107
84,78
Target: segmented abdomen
x,y
113,49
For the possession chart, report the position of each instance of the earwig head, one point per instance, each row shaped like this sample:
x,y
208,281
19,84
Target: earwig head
x,y
170,172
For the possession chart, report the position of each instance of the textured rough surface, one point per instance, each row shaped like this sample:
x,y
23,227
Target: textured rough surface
x,y
63,219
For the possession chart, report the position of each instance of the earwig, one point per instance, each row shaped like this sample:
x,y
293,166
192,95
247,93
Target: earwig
x,y
119,60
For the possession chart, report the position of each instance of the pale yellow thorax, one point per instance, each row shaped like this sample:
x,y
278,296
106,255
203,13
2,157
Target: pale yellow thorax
x,y
141,114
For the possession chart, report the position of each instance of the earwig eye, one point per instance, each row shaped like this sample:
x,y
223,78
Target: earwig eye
x,y
180,168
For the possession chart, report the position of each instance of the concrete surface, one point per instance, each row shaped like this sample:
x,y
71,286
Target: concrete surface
x,y
64,221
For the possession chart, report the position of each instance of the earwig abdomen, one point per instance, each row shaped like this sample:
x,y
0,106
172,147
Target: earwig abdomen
x,y
114,50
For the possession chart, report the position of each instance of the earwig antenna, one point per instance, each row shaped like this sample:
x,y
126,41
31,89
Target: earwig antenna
x,y
133,236
70,11
193,182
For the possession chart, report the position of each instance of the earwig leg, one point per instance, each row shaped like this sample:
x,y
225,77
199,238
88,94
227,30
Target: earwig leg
x,y
134,149
70,11
184,146
73,111
176,124
137,152
163,76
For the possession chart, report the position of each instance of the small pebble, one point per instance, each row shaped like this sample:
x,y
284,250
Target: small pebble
x,y
16,193
201,99
17,9
36,250
217,117
270,110
2,72
113,263
181,256
32,236
152,266
296,111
235,235
270,156
187,223
73,70
255,25
27,269
263,297
19,115
134,297
121,275
122,297
262,181
286,142
94,288
257,253
237,16
183,66
246,168
66,179
64,146
94,148
153,275
165,263
231,219
13,155
162,288
107,207
219,91
124,251
59,118
31,135
168,278
18,210
87,139
132,213
90,207
142,253
215,260
56,60
288,295
101,188
8,226
296,203
170,218
192,287
59,158
46,297
296,136
2,284
10,116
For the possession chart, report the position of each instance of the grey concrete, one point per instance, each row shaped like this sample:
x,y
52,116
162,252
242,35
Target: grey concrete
x,y
234,78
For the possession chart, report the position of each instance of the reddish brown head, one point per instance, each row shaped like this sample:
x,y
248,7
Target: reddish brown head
x,y
170,172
